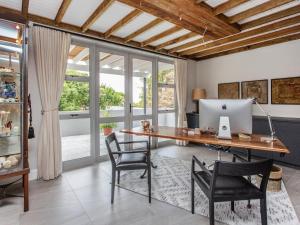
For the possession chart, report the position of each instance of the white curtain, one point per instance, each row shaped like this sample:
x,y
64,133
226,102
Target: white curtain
x,y
51,50
181,90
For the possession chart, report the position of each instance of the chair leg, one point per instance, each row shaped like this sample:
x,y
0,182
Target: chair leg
x,y
113,180
119,172
149,182
211,213
232,206
263,211
193,195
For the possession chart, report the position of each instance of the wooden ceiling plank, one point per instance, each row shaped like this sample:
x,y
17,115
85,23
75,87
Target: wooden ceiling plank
x,y
187,45
143,29
255,46
170,31
131,16
170,16
257,9
62,10
96,14
176,40
94,34
8,39
75,51
25,7
271,18
242,35
226,6
253,40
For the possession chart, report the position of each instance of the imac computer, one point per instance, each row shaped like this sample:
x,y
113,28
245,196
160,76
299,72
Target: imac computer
x,y
237,114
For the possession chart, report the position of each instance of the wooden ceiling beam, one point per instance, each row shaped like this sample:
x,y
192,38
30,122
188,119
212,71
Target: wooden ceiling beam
x,y
176,40
250,41
271,18
143,29
96,14
226,6
170,31
187,45
242,35
94,34
257,9
254,46
132,15
62,10
25,7
8,39
175,17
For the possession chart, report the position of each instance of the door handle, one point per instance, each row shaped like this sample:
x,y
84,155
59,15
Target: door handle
x,y
130,106
73,115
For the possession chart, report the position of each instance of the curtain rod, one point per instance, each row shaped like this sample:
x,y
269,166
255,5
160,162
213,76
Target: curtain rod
x,y
31,23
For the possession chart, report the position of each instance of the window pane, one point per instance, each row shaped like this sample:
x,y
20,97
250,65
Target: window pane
x,y
78,62
75,96
107,128
166,100
112,85
166,119
142,87
166,73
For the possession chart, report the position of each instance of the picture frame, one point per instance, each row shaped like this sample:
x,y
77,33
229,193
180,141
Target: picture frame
x,y
257,89
229,90
285,91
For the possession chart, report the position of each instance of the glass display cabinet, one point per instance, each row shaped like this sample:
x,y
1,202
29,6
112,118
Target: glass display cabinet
x,y
13,108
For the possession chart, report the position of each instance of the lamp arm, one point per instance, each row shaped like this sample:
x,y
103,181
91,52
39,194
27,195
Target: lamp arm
x,y
269,119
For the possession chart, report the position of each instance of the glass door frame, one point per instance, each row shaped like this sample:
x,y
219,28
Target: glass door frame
x,y
153,116
88,160
101,49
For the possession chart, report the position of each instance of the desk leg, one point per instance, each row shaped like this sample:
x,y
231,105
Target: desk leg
x,y
26,192
152,164
249,177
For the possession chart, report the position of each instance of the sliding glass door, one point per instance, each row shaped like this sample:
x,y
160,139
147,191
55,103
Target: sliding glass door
x,y
113,86
142,102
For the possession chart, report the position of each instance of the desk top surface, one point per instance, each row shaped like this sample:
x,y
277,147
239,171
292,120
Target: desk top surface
x,y
254,142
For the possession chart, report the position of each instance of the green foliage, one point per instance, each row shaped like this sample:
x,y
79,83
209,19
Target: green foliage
x,y
110,97
108,125
75,97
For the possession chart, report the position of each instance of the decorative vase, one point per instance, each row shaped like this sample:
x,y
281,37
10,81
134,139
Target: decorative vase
x,y
107,131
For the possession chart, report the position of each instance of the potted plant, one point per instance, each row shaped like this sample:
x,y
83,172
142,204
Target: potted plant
x,y
107,128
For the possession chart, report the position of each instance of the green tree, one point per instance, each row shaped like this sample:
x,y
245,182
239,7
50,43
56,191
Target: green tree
x,y
75,95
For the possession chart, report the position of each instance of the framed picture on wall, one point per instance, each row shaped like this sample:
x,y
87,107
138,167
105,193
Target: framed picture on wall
x,y
255,89
229,90
285,91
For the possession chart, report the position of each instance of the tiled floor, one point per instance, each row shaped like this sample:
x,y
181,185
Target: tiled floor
x,y
82,197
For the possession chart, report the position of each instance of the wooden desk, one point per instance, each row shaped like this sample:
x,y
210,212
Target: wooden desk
x,y
254,143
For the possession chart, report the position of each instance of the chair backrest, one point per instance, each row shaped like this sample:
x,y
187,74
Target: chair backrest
x,y
262,168
112,145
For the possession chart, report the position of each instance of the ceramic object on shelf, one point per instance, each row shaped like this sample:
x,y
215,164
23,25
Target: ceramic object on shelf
x,y
7,164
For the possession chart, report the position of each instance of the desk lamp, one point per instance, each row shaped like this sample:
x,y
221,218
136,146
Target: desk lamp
x,y
271,138
197,94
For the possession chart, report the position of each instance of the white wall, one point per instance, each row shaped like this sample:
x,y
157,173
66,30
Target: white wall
x,y
277,61
192,78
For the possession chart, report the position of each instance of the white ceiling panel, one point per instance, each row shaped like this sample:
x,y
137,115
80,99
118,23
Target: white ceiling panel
x,y
184,42
79,11
269,12
12,4
134,25
214,3
45,8
244,7
154,31
111,16
170,37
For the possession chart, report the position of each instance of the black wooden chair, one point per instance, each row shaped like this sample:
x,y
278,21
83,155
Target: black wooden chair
x,y
127,160
227,182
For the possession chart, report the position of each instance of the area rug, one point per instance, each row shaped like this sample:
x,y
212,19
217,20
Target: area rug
x,y
171,184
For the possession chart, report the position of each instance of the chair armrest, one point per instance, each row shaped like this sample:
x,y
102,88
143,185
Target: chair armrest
x,y
130,152
202,165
